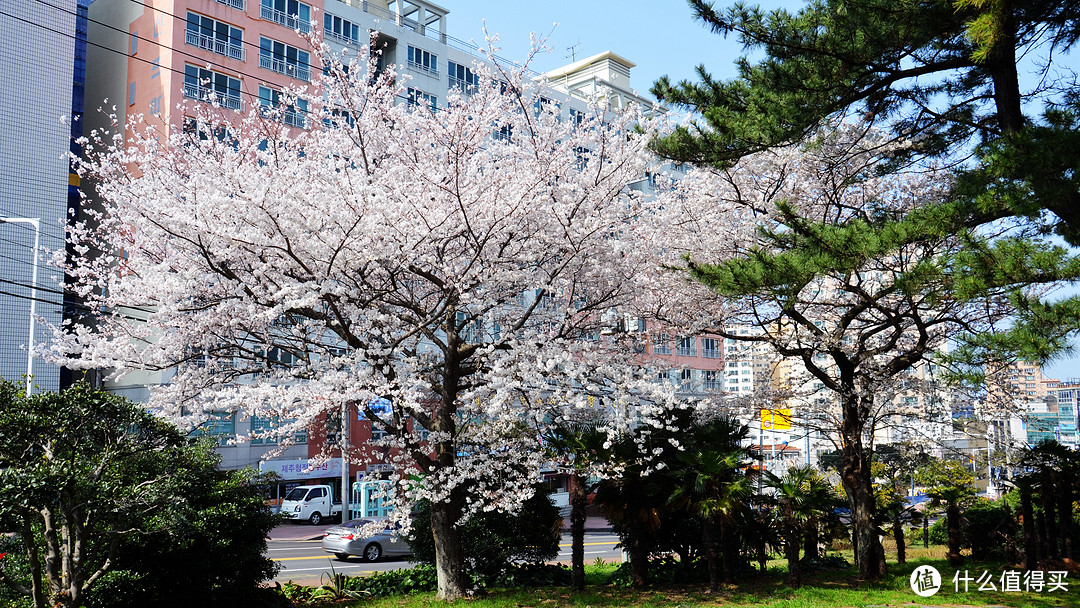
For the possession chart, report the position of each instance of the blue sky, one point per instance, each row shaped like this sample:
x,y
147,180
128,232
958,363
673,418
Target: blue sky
x,y
660,37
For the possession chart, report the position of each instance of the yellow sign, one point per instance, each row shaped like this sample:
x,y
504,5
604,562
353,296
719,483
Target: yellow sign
x,y
777,420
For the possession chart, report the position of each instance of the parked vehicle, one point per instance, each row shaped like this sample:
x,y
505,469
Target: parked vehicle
x,y
347,539
311,503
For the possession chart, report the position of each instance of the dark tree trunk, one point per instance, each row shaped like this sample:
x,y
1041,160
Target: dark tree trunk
x,y
449,551
791,549
729,551
898,536
855,474
1001,64
925,532
759,546
712,554
639,560
1050,523
1011,554
578,503
952,521
1031,542
1065,494
810,543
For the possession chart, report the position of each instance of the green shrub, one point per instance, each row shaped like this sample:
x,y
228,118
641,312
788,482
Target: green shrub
x,y
531,575
984,529
495,540
419,578
664,571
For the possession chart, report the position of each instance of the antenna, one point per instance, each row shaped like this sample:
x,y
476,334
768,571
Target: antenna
x,y
571,51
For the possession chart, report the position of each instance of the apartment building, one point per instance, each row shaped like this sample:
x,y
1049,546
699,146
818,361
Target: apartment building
x,y
44,48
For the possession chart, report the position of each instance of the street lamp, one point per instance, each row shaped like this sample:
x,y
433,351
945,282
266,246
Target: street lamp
x,y
36,223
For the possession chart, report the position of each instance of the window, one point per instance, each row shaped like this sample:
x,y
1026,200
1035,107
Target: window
x,y
581,157
418,98
340,29
505,133
461,77
576,117
661,344
221,426
710,381
686,379
544,104
424,61
265,426
131,93
214,36
207,85
290,13
294,115
710,348
204,132
686,347
284,59
240,4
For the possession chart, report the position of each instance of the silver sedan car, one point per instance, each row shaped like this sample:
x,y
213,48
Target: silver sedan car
x,y
347,539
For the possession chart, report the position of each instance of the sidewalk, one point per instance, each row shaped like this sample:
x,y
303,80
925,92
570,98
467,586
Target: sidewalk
x,y
298,531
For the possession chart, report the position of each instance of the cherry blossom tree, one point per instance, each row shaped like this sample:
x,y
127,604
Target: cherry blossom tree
x,y
803,256
462,262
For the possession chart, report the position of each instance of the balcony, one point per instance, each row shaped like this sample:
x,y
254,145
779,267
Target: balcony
x,y
292,22
685,351
462,85
294,118
426,69
710,353
237,4
198,93
332,35
295,70
220,47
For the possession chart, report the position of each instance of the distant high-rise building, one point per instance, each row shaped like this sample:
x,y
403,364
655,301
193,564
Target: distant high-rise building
x,y
43,43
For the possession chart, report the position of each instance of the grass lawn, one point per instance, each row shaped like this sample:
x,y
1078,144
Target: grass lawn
x,y
823,589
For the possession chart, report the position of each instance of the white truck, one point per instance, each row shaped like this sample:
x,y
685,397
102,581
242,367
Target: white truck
x,y
311,503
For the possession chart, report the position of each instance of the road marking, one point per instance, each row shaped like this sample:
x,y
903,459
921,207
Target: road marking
x,y
291,559
589,544
292,570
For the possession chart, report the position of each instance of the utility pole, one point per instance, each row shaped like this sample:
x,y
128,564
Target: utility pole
x,y
343,443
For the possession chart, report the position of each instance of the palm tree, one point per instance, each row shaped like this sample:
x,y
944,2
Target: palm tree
x,y
950,483
713,483
802,499
579,445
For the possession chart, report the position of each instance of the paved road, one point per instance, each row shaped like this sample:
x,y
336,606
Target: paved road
x,y
303,561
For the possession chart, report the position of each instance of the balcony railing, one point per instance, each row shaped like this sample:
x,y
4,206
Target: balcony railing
x,y
341,38
214,45
462,85
231,102
300,72
292,22
710,353
685,351
419,67
712,385
661,349
294,118
238,4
